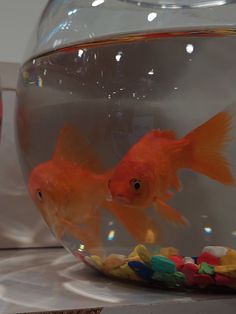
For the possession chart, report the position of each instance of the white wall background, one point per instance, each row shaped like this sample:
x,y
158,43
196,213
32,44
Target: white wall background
x,y
17,20
20,222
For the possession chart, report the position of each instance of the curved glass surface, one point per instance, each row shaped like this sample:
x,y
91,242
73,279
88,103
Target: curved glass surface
x,y
126,131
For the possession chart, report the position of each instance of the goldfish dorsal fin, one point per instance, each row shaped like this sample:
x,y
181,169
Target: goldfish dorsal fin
x,y
168,134
71,146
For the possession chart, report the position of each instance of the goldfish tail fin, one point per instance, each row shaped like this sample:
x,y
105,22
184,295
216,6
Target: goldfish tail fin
x,y
204,152
170,213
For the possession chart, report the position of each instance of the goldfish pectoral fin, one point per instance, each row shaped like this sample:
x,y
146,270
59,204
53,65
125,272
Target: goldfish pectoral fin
x,y
136,221
168,195
71,146
176,184
170,213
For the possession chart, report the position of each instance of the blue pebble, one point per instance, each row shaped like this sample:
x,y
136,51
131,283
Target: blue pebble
x,y
162,264
142,270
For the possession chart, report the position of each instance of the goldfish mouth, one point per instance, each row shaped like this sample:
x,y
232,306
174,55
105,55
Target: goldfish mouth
x,y
121,199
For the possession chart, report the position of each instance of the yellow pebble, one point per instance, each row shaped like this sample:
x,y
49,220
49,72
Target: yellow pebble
x,y
143,253
133,253
125,272
134,258
95,261
228,270
113,261
229,258
168,251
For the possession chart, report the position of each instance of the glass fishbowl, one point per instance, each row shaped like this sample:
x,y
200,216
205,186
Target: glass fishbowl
x,y
125,124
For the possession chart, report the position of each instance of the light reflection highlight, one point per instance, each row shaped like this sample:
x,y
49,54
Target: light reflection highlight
x,y
80,52
39,82
111,235
208,230
97,2
57,42
72,12
118,56
151,16
81,248
151,72
210,4
189,48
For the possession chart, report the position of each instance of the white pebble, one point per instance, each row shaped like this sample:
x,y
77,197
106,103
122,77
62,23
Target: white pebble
x,y
217,251
188,260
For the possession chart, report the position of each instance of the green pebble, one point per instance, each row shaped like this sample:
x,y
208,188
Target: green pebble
x,y
206,269
162,264
176,278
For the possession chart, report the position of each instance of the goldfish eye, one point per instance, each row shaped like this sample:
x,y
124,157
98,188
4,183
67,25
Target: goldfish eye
x,y
136,184
39,195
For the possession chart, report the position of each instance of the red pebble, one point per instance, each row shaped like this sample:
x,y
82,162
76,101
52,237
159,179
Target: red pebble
x,y
222,280
203,280
189,270
178,260
208,258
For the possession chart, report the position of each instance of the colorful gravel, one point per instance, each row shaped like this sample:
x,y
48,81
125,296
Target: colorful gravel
x,y
215,266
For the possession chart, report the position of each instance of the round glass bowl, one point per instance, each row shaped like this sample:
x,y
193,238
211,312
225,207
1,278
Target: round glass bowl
x,y
125,124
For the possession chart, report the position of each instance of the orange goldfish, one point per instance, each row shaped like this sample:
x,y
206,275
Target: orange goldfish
x,y
70,190
148,172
